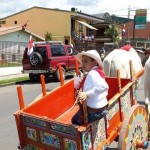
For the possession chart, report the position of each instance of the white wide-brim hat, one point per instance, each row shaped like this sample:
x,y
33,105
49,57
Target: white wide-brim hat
x,y
90,53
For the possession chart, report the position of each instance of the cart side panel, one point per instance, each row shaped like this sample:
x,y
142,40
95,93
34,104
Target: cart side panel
x,y
94,135
124,82
118,104
98,133
86,139
39,133
113,86
113,117
126,101
45,134
55,103
19,125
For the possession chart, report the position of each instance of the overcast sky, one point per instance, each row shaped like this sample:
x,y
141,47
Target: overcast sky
x,y
117,7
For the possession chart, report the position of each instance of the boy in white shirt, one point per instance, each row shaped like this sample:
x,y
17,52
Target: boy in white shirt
x,y
94,87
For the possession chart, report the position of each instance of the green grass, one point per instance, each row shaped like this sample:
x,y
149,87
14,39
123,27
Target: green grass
x,y
10,65
13,80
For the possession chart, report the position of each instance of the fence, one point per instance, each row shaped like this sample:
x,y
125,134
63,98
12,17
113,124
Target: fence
x,y
79,47
11,53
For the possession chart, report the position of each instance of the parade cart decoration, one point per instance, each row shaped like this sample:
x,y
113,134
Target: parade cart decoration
x,y
45,124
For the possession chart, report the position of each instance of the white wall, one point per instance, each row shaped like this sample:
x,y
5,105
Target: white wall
x,y
18,36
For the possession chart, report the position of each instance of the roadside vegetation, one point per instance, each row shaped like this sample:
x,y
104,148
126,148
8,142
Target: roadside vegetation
x,y
13,80
113,33
10,65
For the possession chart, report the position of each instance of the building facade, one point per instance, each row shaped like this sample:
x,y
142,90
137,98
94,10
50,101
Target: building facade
x,y
71,27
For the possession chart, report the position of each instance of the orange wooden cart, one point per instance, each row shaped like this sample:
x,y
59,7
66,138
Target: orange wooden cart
x,y
45,124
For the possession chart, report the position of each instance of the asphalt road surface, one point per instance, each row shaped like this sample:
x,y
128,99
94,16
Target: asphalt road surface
x,y
9,104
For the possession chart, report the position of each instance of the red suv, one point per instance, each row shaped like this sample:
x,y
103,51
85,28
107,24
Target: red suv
x,y
46,58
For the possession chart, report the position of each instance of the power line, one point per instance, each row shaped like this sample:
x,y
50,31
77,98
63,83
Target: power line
x,y
126,9
119,10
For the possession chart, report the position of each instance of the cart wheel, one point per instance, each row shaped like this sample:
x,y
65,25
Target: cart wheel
x,y
134,128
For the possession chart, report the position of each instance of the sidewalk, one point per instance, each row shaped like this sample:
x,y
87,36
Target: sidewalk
x,y
4,71
11,72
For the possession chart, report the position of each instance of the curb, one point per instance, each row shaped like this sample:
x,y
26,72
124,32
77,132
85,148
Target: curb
x,y
15,77
13,83
7,84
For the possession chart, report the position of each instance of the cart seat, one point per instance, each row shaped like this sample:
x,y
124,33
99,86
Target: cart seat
x,y
66,117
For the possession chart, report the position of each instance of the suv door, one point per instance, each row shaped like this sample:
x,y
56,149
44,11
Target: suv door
x,y
41,53
58,56
71,58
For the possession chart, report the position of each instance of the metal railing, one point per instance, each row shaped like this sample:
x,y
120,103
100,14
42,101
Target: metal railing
x,y
11,53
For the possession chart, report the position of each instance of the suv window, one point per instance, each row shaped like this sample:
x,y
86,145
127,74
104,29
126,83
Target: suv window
x,y
70,50
41,50
25,56
58,50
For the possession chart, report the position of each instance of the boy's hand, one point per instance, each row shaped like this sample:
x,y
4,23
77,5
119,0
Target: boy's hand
x,y
82,96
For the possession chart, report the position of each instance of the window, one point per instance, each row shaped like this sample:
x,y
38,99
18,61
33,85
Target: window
x,y
58,50
70,51
41,50
66,42
15,22
25,56
80,27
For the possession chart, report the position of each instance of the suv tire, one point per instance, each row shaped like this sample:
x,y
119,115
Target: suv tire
x,y
34,77
63,73
36,59
31,77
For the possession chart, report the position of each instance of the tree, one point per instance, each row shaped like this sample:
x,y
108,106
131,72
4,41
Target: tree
x,y
48,36
112,33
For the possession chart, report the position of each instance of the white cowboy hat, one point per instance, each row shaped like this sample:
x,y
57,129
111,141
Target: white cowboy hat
x,y
90,53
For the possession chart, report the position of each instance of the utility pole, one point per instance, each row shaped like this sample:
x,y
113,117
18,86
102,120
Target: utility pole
x,y
129,22
134,28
